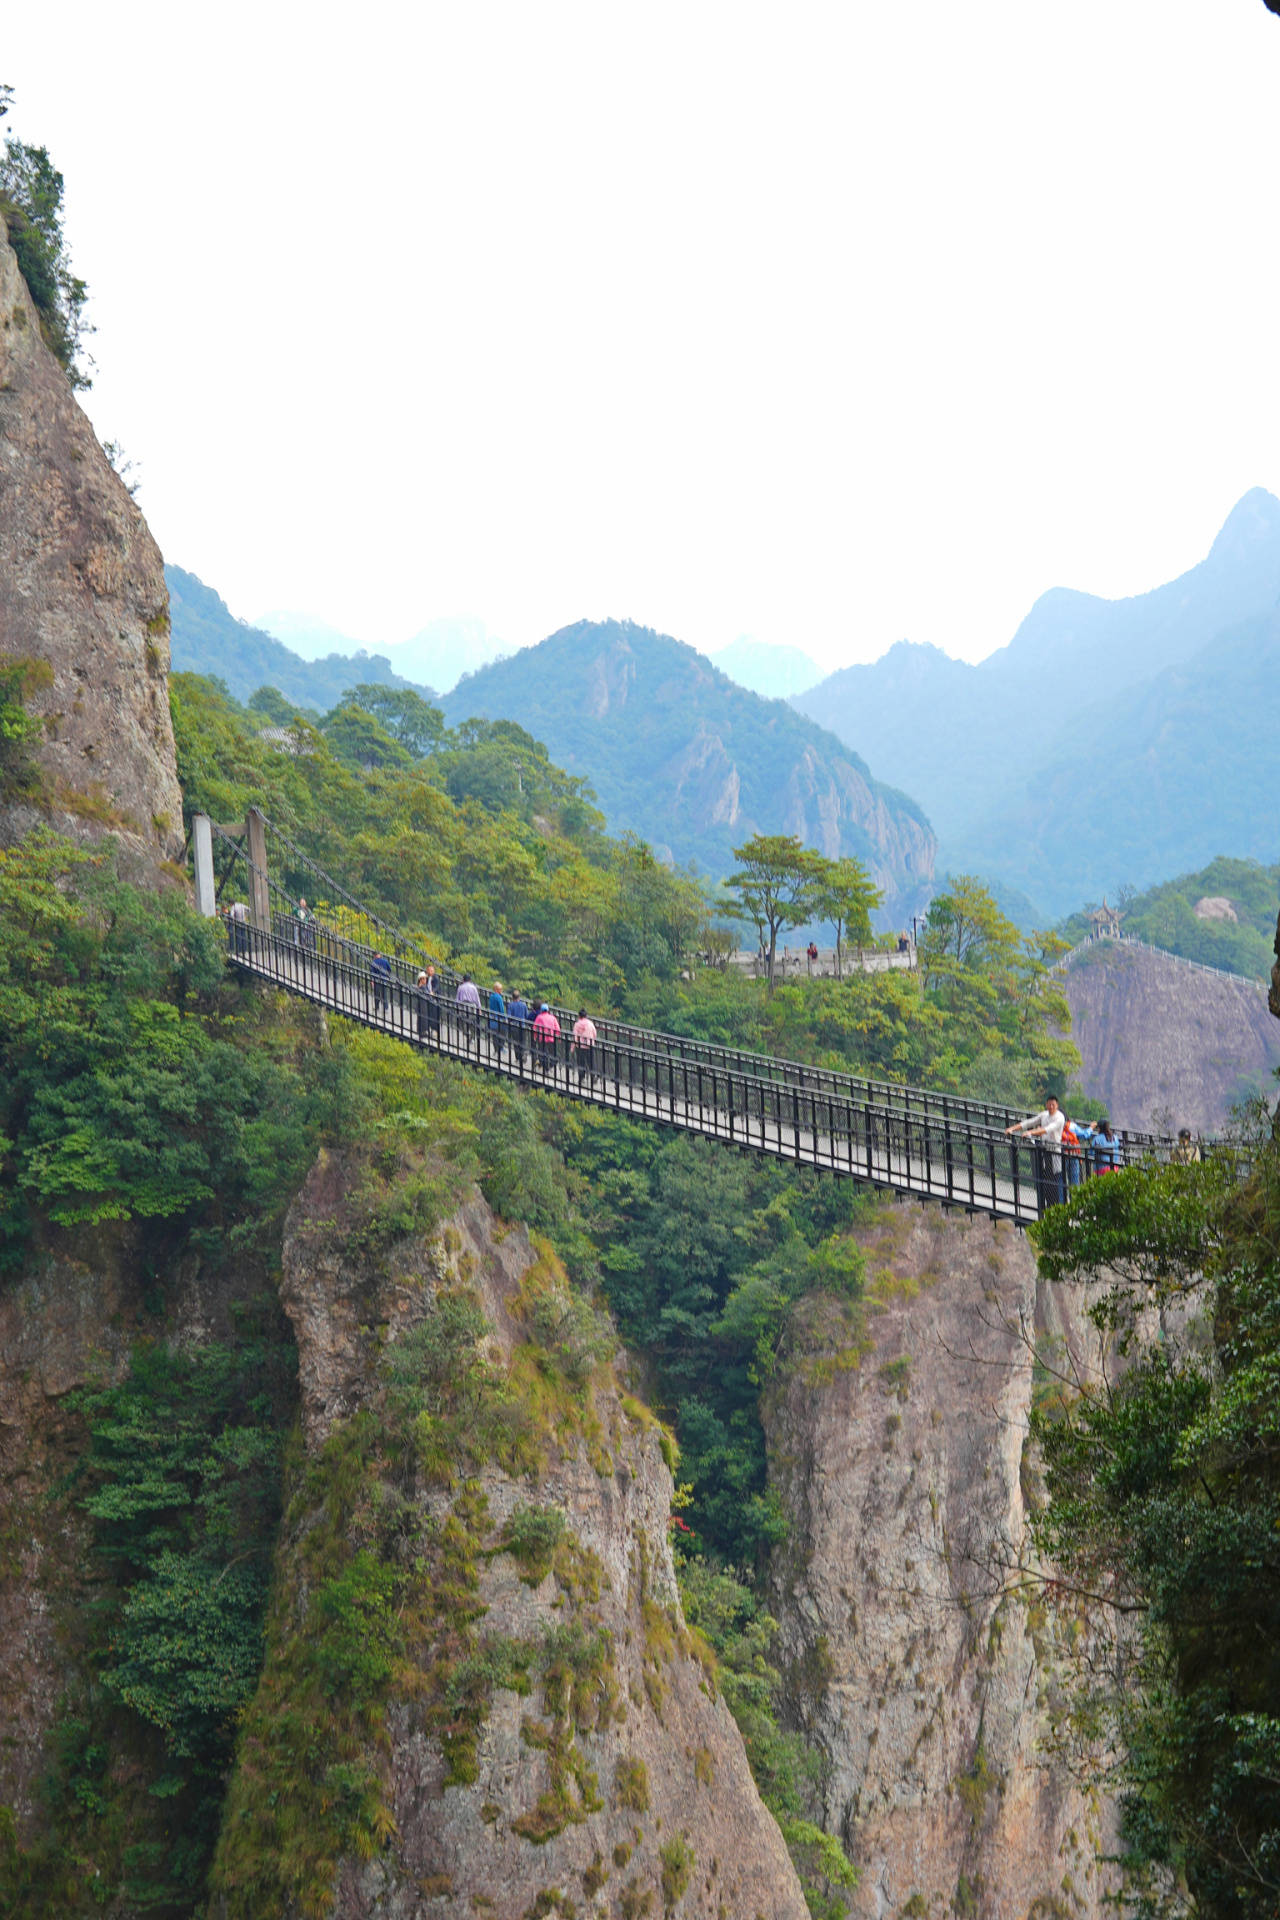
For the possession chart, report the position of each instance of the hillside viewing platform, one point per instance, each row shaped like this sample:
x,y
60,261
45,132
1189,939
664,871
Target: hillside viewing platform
x,y
899,1139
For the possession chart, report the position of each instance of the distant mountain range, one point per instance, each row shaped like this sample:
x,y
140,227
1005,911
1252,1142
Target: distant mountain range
x,y
437,655
1111,742
680,755
206,637
764,666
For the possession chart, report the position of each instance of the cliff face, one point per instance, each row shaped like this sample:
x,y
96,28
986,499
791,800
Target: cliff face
x,y
1166,1044
899,1452
552,1742
82,591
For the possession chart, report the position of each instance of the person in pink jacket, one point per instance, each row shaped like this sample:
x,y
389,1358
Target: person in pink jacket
x,y
546,1031
584,1045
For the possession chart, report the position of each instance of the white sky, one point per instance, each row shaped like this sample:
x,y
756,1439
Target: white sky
x,y
827,323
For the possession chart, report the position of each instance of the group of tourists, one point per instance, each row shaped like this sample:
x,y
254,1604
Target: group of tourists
x,y
1073,1148
510,1020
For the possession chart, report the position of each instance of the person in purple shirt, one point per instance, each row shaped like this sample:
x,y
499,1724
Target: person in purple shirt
x,y
469,1001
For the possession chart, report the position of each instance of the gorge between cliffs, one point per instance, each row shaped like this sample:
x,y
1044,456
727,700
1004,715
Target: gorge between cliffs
x,y
427,1499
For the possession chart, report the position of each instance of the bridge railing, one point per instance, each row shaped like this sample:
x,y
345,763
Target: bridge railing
x,y
399,952
916,1103
883,1144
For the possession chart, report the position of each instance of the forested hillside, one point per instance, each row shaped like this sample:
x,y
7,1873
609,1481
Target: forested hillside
x,y
207,638
679,754
1224,915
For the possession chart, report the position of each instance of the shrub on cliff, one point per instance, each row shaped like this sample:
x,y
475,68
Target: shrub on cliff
x,y
1164,1505
31,205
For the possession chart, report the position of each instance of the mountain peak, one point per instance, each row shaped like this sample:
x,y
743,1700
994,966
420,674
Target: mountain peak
x,y
1253,523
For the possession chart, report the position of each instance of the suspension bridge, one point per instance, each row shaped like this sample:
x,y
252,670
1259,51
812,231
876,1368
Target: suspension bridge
x,y
903,1140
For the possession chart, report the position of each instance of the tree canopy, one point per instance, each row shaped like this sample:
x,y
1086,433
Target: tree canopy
x,y
776,886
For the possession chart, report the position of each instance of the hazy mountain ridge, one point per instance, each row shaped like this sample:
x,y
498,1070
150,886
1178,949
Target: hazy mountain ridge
x,y
1073,760
694,763
207,638
766,667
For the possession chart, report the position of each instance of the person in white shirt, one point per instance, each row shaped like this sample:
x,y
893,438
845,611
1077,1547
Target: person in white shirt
x,y
1046,1128
1046,1125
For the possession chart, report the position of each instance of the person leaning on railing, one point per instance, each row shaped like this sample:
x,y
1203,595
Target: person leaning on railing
x,y
1045,1127
1100,1145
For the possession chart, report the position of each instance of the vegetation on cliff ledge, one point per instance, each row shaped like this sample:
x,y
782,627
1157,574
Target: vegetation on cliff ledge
x,y
1164,1504
31,208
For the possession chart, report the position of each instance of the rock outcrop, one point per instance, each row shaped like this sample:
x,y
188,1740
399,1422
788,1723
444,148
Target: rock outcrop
x,y
1164,1043
585,1763
82,593
899,1448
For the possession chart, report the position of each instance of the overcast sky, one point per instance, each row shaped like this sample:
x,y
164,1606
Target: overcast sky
x,y
830,324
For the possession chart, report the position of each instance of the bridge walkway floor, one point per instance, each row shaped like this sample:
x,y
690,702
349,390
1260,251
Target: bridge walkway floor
x,y
873,1146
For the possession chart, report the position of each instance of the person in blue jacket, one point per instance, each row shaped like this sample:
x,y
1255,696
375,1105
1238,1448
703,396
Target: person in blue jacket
x,y
380,974
1101,1145
519,1014
497,1019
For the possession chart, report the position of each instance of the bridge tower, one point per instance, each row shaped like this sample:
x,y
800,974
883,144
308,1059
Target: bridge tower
x,y
253,838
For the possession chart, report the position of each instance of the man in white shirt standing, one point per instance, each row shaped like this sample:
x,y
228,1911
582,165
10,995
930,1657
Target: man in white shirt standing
x,y
1047,1124
1046,1127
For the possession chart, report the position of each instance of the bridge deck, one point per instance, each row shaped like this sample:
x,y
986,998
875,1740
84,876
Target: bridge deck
x,y
902,1141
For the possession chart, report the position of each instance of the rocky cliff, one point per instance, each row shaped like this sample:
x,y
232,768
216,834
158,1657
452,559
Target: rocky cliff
x,y
550,1740
921,1660
1166,1044
82,593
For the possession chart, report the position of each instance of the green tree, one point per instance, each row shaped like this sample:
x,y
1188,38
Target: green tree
x,y
777,886
995,986
360,740
404,714
847,897
19,679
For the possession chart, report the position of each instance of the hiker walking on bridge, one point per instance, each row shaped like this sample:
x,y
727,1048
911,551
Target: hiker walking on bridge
x,y
380,975
519,1014
584,1045
428,997
546,1032
497,1018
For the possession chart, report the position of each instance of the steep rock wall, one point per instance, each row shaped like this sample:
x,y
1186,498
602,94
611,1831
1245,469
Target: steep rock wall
x,y
640,1804
70,1319
1166,1044
898,1448
81,590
